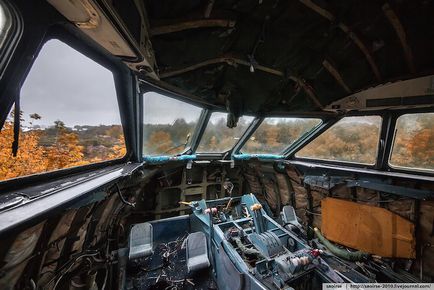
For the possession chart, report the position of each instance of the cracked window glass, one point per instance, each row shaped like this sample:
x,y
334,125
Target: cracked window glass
x,y
168,125
220,138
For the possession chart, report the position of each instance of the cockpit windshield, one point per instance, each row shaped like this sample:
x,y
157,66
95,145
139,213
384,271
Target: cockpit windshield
x,y
218,137
276,134
168,125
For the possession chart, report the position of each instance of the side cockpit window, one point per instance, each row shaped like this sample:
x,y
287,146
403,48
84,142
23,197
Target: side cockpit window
x,y
352,139
69,115
413,146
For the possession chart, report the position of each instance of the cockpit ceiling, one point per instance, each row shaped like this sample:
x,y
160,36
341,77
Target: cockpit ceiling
x,y
258,56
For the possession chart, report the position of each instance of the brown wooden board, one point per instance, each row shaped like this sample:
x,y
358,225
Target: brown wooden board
x,y
368,228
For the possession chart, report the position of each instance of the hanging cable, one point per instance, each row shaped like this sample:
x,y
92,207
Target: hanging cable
x,y
17,121
132,204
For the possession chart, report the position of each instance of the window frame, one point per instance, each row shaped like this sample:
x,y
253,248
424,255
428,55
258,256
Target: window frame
x,y
121,77
12,36
302,137
150,88
258,121
224,153
207,111
393,132
7,55
330,123
386,140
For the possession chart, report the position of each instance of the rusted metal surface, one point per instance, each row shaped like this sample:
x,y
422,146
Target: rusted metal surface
x,y
94,19
368,228
400,32
192,24
351,34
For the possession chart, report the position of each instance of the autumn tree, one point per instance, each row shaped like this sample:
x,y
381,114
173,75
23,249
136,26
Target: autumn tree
x,y
350,141
30,157
55,147
414,141
160,142
118,150
66,151
272,135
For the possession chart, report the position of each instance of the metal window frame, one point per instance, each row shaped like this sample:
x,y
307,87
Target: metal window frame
x,y
248,133
327,126
124,82
387,132
223,153
198,130
392,137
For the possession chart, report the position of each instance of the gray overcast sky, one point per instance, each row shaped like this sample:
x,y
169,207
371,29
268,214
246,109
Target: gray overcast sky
x,y
164,110
65,85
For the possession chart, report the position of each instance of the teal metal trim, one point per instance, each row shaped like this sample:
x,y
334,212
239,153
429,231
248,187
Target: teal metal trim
x,y
164,158
257,156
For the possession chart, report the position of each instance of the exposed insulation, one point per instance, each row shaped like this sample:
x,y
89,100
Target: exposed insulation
x,y
254,184
300,194
316,198
404,208
342,192
104,220
57,241
271,196
18,254
284,190
426,236
300,202
81,235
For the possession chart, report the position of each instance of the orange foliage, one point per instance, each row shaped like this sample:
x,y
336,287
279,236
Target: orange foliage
x,y
32,157
160,141
421,147
414,144
272,137
66,152
119,150
351,142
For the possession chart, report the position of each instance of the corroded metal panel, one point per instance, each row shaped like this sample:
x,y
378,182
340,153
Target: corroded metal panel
x,y
368,228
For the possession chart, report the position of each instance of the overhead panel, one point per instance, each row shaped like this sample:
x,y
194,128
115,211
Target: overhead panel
x,y
417,92
104,25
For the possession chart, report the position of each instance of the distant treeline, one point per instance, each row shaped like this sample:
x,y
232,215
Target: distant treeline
x,y
60,146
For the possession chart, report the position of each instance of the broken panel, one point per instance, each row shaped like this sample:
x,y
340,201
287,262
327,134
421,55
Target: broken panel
x,y
368,228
